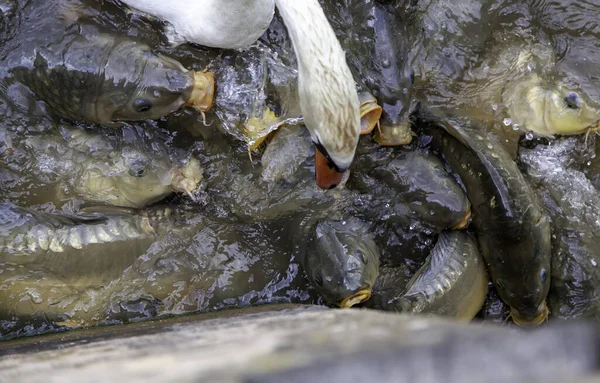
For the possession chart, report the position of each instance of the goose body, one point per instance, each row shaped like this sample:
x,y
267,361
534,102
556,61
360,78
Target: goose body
x,y
228,24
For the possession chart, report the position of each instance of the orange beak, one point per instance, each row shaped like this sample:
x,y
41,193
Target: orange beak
x,y
327,175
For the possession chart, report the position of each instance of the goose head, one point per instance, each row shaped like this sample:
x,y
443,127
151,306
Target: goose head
x,y
327,91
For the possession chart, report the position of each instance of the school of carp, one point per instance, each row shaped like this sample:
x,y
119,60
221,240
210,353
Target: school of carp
x,y
428,157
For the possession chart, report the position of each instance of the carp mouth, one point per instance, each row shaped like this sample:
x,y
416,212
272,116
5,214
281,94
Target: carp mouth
x,y
187,178
360,296
464,221
535,321
394,135
203,92
370,113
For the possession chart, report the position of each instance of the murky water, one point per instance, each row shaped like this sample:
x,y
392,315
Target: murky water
x,y
239,219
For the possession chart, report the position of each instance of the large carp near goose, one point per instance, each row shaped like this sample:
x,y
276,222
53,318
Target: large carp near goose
x,y
88,75
512,226
376,41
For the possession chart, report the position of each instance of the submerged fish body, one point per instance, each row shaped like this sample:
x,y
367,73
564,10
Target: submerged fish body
x,y
342,261
446,37
512,228
124,168
49,261
285,153
30,235
377,43
420,180
452,282
412,188
573,204
110,265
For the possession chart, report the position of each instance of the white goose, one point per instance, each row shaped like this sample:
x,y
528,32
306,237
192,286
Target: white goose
x,y
328,96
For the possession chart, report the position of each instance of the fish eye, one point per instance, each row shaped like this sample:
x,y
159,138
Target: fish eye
x,y
572,100
500,284
543,275
142,105
137,169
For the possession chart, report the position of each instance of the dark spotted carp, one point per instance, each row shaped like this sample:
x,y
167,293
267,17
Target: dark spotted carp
x,y
342,262
85,74
512,227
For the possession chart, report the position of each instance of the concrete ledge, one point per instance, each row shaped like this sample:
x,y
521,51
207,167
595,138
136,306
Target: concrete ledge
x,y
287,343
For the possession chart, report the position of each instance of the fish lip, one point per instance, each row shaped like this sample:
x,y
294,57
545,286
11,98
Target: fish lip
x,y
360,296
370,113
181,183
538,319
465,220
385,135
202,95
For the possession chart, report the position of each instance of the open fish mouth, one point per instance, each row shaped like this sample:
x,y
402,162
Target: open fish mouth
x,y
595,127
463,222
187,178
394,135
203,92
184,185
535,321
370,113
361,295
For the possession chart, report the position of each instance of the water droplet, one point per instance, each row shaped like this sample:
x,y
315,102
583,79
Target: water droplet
x,y
529,136
343,222
515,126
507,121
35,297
387,205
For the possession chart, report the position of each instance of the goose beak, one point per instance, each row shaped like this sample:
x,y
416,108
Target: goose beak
x,y
326,174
